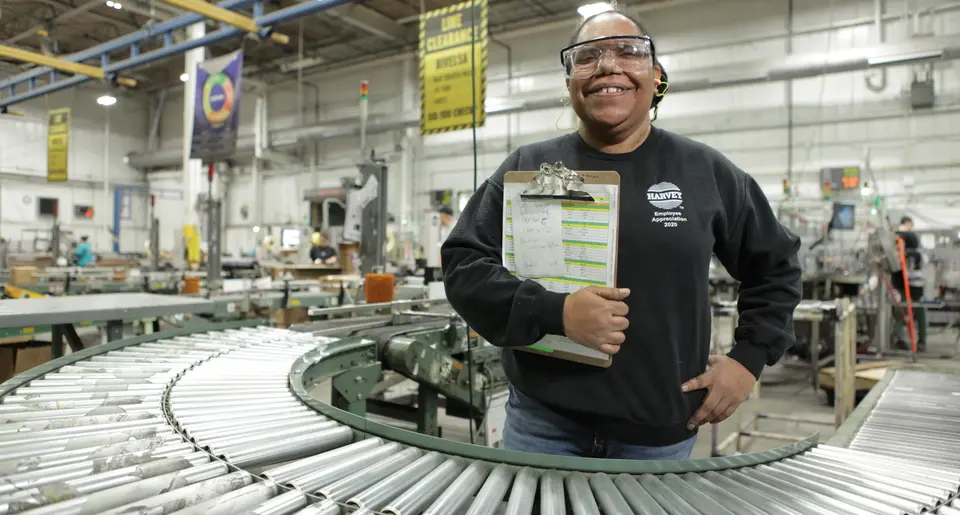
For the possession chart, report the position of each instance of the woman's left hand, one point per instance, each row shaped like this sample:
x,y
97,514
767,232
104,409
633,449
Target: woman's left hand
x,y
729,384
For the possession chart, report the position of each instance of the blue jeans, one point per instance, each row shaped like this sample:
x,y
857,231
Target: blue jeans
x,y
534,427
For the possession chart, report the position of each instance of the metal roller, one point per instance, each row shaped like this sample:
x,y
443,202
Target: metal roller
x,y
222,422
376,496
491,493
522,492
283,504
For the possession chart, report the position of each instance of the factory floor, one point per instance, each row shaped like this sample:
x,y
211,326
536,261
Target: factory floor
x,y
786,390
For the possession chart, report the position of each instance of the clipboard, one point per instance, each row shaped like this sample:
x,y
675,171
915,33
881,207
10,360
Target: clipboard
x,y
589,206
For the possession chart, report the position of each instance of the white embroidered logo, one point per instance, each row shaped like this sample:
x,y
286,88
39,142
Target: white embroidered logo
x,y
665,195
668,197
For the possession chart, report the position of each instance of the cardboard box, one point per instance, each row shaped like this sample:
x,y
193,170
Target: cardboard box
x,y
290,316
16,358
25,274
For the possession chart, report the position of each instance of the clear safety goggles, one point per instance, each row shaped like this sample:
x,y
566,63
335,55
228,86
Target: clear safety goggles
x,y
632,54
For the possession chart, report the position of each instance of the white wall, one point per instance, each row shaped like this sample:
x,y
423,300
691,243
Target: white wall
x,y
837,119
23,169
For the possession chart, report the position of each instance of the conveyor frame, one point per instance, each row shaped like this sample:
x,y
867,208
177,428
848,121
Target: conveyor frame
x,y
334,359
778,478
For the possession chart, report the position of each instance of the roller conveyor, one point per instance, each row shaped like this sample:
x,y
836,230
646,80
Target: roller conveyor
x,y
223,423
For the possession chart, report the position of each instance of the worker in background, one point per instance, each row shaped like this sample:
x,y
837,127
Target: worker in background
x,y
447,221
321,253
656,324
84,252
914,271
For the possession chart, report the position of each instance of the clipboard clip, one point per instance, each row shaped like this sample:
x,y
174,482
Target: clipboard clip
x,y
556,181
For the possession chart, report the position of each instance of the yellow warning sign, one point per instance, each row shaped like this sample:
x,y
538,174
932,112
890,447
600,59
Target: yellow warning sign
x,y
58,144
453,67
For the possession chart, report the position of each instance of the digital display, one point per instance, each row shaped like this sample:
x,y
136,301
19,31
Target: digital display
x,y
290,238
48,206
843,217
81,211
840,178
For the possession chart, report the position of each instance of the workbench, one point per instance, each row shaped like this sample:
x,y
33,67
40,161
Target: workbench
x,y
61,313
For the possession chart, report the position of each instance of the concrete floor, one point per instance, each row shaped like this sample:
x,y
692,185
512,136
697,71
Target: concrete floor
x,y
786,390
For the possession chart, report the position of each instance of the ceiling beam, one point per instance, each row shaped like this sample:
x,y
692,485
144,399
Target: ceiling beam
x,y
370,21
101,17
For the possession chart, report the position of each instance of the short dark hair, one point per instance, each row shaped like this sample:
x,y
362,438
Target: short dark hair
x,y
906,220
614,9
83,238
445,210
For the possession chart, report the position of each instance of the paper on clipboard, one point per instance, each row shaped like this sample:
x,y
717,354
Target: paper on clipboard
x,y
587,253
538,238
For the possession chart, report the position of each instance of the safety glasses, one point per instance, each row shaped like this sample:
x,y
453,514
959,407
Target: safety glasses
x,y
632,54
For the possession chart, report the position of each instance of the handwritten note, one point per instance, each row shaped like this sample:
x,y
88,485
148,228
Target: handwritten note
x,y
538,238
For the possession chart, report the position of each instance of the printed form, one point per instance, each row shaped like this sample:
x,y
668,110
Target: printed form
x,y
536,230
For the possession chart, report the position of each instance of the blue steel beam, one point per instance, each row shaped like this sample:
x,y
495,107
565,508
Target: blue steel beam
x,y
125,42
267,20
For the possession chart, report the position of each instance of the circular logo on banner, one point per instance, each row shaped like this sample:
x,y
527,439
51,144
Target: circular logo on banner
x,y
218,98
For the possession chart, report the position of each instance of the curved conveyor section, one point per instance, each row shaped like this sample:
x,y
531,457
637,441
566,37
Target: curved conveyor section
x,y
222,423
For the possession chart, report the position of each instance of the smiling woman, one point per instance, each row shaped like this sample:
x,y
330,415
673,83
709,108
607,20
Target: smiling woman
x,y
680,203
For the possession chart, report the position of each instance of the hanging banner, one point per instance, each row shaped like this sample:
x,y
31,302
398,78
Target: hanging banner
x,y
453,79
216,111
58,144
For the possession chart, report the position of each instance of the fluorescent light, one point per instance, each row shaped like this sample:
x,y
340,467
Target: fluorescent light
x,y
107,100
109,3
589,10
116,5
184,77
301,64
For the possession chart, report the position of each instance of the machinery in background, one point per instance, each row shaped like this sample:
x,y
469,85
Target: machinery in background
x,y
366,215
452,368
431,239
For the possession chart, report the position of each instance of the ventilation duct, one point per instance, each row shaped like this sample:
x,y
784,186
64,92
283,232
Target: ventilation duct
x,y
797,66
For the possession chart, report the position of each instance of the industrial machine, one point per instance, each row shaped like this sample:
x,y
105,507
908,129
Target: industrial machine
x,y
226,421
434,349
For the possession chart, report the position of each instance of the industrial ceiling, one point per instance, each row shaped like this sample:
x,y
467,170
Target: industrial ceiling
x,y
328,39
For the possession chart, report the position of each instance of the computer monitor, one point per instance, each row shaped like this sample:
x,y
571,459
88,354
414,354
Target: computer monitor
x,y
843,217
290,238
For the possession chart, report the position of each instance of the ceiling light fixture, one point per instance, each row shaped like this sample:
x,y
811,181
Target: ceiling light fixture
x,y
115,5
184,77
301,64
107,100
589,10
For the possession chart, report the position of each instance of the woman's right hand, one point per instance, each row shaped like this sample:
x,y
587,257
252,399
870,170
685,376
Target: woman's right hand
x,y
596,318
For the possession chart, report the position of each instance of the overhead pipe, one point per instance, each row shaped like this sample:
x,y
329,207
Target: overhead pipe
x,y
58,64
169,49
125,42
878,26
796,66
227,16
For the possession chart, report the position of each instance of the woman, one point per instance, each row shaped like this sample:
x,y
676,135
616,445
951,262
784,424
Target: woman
x,y
650,401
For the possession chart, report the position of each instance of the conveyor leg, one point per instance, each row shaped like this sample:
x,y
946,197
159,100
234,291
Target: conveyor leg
x,y
351,388
815,353
114,330
56,342
428,402
58,333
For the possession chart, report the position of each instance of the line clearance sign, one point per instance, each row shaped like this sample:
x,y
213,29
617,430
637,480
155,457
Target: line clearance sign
x,y
453,80
58,144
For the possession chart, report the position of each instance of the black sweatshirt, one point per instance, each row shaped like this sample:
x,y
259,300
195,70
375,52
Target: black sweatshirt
x,y
664,258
